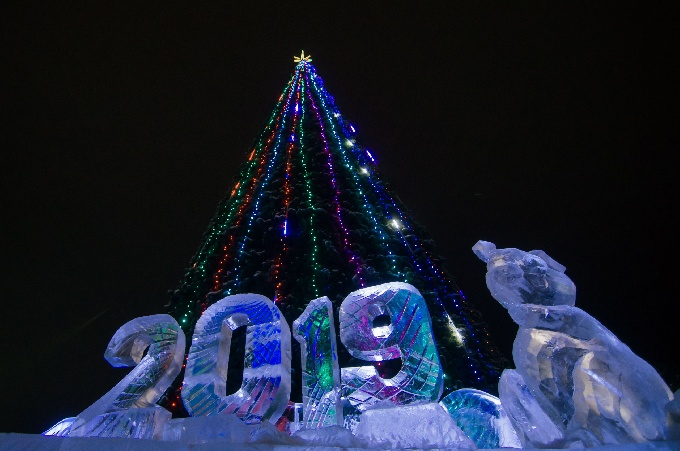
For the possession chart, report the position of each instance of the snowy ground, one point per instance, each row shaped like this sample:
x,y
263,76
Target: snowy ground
x,y
39,442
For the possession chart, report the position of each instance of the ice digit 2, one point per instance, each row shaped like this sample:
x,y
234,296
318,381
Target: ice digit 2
x,y
265,389
315,332
128,409
408,336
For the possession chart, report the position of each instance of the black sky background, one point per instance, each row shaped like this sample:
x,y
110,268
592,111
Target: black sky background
x,y
547,126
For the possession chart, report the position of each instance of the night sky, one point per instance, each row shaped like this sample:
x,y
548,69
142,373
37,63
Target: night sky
x,y
539,126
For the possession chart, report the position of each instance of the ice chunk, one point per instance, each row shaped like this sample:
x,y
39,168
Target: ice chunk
x,y
592,379
146,422
421,426
616,391
61,429
517,277
484,250
534,426
407,335
481,417
331,436
222,428
546,360
673,417
315,331
266,375
164,342
563,318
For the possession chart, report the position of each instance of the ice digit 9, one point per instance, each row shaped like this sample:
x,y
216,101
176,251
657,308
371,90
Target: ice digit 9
x,y
408,337
265,389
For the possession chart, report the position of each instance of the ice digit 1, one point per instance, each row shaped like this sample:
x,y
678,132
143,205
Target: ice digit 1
x,y
128,409
315,332
408,336
265,389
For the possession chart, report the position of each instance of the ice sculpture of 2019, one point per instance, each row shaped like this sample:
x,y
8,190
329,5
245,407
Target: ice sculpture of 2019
x,y
408,336
265,389
315,331
575,384
132,401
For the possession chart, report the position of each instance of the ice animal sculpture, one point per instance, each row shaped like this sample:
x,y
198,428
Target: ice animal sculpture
x,y
575,383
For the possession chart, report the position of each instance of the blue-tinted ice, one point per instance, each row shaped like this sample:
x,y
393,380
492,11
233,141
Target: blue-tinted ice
x,y
482,418
265,389
315,331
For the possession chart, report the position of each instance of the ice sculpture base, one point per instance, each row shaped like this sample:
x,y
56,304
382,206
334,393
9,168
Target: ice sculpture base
x,y
40,442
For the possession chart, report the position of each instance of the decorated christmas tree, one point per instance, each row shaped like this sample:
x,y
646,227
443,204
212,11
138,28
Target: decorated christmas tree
x,y
309,216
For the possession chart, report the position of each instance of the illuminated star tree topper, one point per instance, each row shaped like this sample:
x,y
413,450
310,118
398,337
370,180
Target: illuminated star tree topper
x,y
302,58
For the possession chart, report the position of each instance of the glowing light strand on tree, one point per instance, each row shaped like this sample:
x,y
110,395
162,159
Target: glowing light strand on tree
x,y
323,96
254,181
353,258
239,218
221,223
286,200
310,201
223,219
388,204
444,282
262,185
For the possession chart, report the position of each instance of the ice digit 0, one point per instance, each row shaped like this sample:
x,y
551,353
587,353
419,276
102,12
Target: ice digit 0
x,y
265,389
315,332
408,336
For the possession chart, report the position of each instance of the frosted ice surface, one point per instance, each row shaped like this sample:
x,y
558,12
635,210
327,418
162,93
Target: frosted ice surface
x,y
145,422
315,331
266,376
62,428
517,277
331,436
422,426
673,417
590,377
221,428
563,318
481,417
321,439
534,426
134,397
407,336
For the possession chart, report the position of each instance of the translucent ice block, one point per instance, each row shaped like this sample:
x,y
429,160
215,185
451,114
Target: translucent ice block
x,y
482,418
133,399
416,426
407,335
315,331
517,277
526,412
265,389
